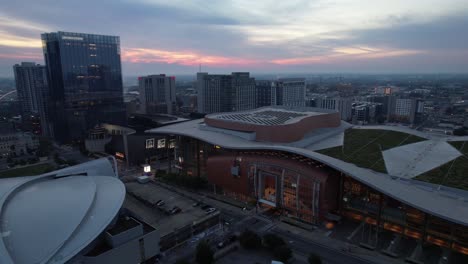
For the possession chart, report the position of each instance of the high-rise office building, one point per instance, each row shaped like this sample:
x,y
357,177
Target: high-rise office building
x,y
266,93
225,93
291,92
31,87
157,94
85,82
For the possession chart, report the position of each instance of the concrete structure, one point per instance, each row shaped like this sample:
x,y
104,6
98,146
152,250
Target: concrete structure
x,y
72,217
31,86
310,187
266,93
225,93
290,92
157,94
411,160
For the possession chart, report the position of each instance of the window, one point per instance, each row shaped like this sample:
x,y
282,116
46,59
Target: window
x,y
161,143
150,143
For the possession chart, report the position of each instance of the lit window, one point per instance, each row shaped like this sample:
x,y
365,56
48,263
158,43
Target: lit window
x,y
161,143
150,143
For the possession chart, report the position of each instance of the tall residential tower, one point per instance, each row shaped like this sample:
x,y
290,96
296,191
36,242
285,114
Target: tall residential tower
x,y
157,94
225,93
31,87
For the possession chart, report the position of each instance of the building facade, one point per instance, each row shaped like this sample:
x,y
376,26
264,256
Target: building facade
x,y
85,82
225,93
31,87
266,93
291,92
405,109
157,94
303,186
342,105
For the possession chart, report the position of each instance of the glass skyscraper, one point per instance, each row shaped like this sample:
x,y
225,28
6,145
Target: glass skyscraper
x,y
85,83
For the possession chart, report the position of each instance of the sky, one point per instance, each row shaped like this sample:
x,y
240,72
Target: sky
x,y
294,36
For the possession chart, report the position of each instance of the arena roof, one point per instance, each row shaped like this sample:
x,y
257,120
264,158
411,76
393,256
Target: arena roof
x,y
447,203
290,124
268,116
51,217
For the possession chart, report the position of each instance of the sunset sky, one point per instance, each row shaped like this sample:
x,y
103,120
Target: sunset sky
x,y
175,36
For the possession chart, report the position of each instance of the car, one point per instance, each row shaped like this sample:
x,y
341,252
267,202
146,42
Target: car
x,y
160,200
221,245
196,204
204,207
161,203
175,210
210,210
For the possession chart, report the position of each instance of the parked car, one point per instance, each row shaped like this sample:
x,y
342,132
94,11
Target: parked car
x,y
161,203
221,245
196,204
205,207
175,210
210,210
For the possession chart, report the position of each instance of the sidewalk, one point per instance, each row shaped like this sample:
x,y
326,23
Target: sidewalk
x,y
318,237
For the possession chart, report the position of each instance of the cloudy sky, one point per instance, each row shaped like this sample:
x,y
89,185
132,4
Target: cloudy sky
x,y
175,36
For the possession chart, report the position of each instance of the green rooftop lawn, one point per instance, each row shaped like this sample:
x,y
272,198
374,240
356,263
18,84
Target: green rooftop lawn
x,y
452,174
27,171
363,147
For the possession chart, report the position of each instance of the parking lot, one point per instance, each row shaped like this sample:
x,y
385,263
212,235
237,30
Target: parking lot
x,y
142,200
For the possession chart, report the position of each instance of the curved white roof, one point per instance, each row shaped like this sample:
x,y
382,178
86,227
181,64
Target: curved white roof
x,y
444,204
50,218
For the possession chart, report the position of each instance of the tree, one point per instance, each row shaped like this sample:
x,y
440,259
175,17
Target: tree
x,y
459,132
204,254
250,240
271,241
282,253
314,259
45,147
182,261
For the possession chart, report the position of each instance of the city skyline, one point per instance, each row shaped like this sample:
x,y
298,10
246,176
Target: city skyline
x,y
261,37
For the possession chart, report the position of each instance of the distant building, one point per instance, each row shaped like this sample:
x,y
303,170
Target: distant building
x,y
130,144
342,105
157,94
9,109
31,86
266,93
85,83
291,92
386,90
17,143
187,103
225,93
367,112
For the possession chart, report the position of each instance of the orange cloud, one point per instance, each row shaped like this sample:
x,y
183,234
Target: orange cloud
x,y
23,56
300,61
347,54
188,58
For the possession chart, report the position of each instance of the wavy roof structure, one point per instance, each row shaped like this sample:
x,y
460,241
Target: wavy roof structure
x,y
52,217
